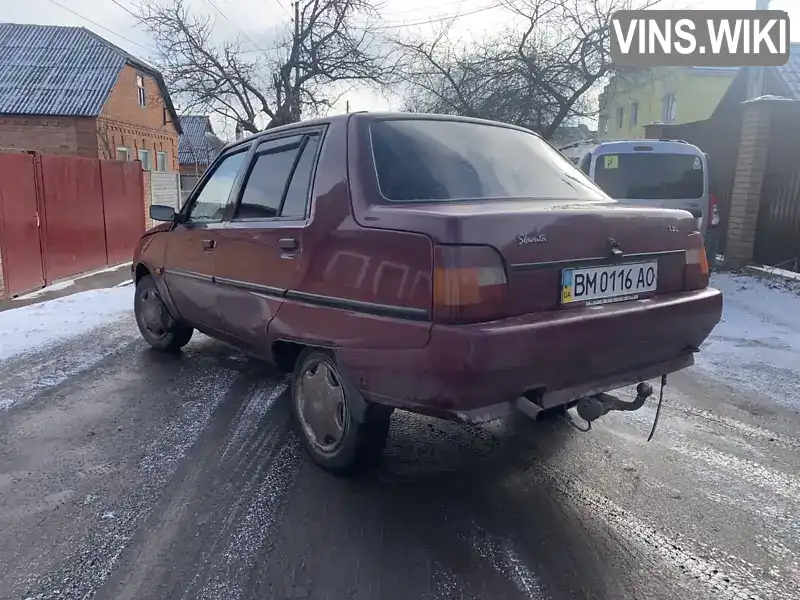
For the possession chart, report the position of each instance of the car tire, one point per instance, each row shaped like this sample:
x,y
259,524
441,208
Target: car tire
x,y
339,430
156,325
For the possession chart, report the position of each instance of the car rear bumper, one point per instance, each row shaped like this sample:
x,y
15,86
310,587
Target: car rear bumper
x,y
474,373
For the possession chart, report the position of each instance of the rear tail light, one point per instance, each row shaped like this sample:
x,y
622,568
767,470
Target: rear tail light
x,y
713,210
469,284
695,275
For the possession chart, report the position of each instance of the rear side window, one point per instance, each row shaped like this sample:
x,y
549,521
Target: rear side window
x,y
650,176
435,161
297,194
279,179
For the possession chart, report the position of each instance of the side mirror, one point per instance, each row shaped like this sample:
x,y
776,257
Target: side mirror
x,y
159,212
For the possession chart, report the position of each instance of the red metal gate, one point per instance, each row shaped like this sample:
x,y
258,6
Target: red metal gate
x,y
20,247
123,210
74,226
65,215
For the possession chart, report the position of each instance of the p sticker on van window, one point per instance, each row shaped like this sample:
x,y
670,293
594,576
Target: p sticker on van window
x,y
697,164
611,161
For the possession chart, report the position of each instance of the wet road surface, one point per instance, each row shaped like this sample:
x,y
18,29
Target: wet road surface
x,y
129,474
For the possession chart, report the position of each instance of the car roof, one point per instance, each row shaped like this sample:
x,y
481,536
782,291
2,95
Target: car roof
x,y
372,116
658,146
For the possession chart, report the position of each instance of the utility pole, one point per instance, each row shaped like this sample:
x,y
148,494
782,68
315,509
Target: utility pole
x,y
296,52
347,106
755,80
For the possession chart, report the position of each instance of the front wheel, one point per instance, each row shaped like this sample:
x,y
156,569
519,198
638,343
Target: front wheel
x,y
329,421
156,325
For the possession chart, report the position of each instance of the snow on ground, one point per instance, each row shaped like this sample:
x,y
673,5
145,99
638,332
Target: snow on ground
x,y
757,343
33,327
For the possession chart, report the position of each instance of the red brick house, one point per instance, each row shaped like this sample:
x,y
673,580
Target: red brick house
x,y
66,90
198,145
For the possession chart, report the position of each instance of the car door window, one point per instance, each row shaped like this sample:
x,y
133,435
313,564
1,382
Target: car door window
x,y
210,202
296,201
265,184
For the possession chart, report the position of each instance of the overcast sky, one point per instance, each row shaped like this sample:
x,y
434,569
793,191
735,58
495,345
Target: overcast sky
x,y
252,19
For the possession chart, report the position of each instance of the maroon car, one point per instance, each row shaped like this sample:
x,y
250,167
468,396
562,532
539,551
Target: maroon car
x,y
446,266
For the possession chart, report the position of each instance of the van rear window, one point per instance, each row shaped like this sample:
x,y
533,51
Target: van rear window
x,y
440,160
650,176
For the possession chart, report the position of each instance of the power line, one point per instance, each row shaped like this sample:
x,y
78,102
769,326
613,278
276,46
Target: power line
x,y
125,8
213,5
423,8
439,19
88,20
283,6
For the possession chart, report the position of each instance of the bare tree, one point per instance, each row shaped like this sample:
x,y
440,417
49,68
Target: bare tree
x,y
536,74
330,43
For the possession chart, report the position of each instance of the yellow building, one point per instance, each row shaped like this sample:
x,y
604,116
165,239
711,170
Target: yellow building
x,y
637,97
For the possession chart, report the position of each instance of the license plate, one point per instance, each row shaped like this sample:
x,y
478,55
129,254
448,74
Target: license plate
x,y
600,285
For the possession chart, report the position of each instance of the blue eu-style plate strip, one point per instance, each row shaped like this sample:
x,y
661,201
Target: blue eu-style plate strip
x,y
566,286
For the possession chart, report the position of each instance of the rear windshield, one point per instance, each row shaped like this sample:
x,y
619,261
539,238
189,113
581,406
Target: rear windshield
x,y
651,176
435,161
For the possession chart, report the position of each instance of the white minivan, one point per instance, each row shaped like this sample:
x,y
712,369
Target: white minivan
x,y
658,173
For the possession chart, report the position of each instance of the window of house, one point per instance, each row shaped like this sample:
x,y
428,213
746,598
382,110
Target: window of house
x,y
602,124
161,161
144,157
123,153
620,117
634,114
210,203
140,90
669,108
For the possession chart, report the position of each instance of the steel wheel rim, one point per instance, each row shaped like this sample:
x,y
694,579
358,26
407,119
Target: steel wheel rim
x,y
322,405
152,314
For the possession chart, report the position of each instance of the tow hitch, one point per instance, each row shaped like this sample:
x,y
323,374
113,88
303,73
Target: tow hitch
x,y
592,408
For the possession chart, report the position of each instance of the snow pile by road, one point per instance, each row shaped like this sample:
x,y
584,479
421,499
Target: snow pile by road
x,y
33,327
757,343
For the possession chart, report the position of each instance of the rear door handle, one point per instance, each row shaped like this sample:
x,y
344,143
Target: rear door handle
x,y
209,244
288,244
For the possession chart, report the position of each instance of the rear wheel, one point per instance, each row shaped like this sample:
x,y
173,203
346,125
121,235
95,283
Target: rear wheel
x,y
156,325
338,431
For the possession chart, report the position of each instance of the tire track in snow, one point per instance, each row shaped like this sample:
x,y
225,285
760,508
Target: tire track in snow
x,y
23,377
119,519
267,461
727,578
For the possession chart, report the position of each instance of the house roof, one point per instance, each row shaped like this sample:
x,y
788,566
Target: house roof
x,y
194,146
62,71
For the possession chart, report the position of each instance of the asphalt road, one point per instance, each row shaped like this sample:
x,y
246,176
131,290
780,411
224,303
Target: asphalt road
x,y
129,474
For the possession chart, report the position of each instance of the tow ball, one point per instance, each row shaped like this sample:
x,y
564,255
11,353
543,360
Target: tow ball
x,y
592,408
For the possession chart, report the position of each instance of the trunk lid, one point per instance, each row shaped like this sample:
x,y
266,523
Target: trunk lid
x,y
538,239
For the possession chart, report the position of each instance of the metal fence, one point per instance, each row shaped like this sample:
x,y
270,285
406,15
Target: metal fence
x,y
778,227
65,215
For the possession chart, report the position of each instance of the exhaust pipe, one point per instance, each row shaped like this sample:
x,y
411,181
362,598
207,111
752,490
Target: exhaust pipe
x,y
592,408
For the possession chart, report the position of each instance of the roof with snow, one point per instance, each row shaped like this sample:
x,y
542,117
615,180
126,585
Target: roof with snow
x,y
197,144
62,71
